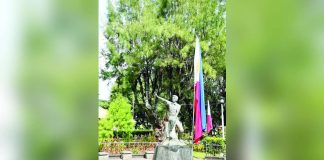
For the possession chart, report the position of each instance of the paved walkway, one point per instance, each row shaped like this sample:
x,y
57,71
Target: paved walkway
x,y
117,158
144,159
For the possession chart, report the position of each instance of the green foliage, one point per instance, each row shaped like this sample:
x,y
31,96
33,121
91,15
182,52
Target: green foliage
x,y
100,147
151,49
105,128
185,136
116,148
119,118
218,142
199,147
137,135
135,150
138,148
104,104
199,155
142,132
150,138
215,145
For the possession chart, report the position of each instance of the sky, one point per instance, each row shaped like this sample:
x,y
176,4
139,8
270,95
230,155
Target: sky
x,y
104,86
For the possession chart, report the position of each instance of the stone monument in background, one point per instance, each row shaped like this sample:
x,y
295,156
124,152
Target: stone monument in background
x,y
171,147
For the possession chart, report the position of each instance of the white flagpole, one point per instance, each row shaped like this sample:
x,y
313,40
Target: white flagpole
x,y
222,111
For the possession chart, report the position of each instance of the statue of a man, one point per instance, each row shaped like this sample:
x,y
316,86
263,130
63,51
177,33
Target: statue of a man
x,y
172,120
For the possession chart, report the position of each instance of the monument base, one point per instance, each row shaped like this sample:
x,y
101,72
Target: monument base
x,y
173,152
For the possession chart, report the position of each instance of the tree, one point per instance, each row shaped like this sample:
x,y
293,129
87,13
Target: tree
x,y
151,49
104,104
119,119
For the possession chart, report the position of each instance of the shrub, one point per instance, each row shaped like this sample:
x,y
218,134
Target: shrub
x,y
185,136
135,150
144,132
116,148
199,147
216,144
105,130
119,119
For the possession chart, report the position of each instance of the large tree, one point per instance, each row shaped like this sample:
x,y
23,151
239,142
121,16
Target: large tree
x,y
151,49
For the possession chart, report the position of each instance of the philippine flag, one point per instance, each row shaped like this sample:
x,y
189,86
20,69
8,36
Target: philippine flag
x,y
199,100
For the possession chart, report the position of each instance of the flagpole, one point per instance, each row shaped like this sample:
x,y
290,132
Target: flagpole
x,y
222,111
193,113
193,126
193,120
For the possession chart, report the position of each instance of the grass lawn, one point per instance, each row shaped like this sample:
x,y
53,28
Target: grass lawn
x,y
200,155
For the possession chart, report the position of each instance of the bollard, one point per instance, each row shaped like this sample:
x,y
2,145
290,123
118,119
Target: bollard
x,y
149,154
103,156
126,155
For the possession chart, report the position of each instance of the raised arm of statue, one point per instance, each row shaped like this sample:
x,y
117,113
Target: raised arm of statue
x,y
162,98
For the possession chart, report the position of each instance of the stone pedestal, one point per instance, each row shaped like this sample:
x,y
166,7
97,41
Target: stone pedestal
x,y
126,155
173,152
